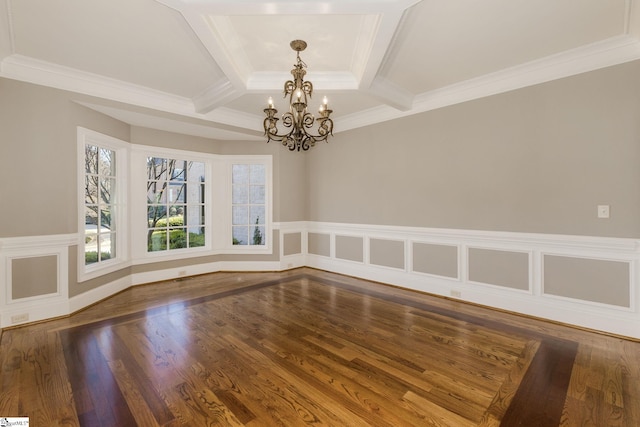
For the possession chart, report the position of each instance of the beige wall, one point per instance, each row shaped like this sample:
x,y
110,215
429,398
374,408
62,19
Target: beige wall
x,y
319,244
534,160
441,260
538,159
38,128
350,248
388,253
500,268
38,133
594,280
292,244
34,276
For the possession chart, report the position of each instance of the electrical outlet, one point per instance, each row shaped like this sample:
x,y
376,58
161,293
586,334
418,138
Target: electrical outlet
x,y
182,273
19,318
456,294
603,211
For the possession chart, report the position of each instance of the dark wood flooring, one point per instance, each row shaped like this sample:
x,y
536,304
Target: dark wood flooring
x,y
307,347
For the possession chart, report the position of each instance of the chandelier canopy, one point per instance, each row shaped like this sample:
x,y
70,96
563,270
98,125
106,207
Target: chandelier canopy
x,y
298,121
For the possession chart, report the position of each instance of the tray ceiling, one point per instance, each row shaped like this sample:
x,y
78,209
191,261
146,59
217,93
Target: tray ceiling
x,y
206,67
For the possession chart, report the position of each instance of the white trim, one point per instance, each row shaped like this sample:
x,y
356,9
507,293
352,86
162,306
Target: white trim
x,y
138,204
38,307
218,237
389,239
459,258
606,53
267,161
601,54
215,96
609,318
633,305
357,235
211,267
98,294
269,81
31,70
121,148
61,256
29,242
589,314
493,247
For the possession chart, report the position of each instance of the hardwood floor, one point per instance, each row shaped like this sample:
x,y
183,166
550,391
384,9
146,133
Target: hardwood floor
x,y
310,347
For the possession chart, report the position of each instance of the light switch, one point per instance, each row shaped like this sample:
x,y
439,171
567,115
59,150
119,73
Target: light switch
x,y
603,211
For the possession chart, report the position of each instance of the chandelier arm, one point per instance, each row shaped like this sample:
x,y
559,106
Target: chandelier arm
x,y
300,139
307,87
289,88
297,120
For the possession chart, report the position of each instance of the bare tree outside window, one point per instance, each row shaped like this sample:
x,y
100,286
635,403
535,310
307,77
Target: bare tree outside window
x,y
175,204
100,185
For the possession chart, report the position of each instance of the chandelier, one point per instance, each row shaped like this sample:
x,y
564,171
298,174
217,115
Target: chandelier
x,y
297,120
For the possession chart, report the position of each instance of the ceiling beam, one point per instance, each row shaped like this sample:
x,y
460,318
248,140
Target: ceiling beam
x,y
391,94
212,26
215,96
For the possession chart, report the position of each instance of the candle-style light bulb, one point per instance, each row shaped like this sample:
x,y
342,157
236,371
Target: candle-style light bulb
x,y
299,93
270,102
325,102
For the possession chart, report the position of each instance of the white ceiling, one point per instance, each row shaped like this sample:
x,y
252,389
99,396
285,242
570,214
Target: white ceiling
x,y
207,67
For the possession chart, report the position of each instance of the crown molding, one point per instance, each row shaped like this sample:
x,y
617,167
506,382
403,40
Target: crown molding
x,y
27,69
384,34
22,68
364,44
287,7
213,27
367,117
215,96
183,127
614,51
228,116
222,42
391,94
607,53
268,81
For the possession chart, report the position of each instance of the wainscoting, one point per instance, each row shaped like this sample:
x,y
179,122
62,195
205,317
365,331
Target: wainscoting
x,y
43,263
590,282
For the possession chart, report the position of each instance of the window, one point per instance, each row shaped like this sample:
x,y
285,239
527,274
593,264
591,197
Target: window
x,y
100,225
102,162
186,204
249,206
175,204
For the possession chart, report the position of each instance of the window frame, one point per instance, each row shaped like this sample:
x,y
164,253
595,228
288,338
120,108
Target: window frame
x,y
119,203
131,244
267,162
139,181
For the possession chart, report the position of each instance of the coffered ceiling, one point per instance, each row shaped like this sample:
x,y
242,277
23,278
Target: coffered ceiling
x,y
207,67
